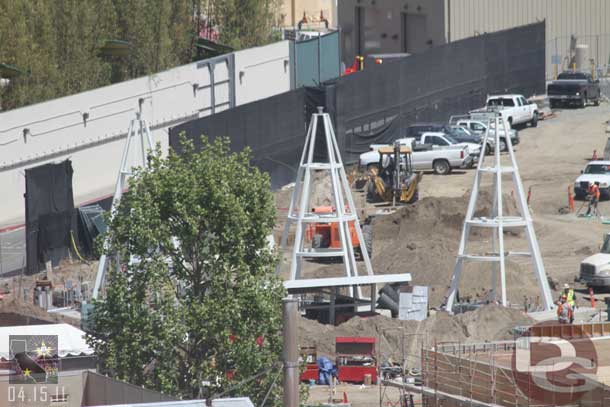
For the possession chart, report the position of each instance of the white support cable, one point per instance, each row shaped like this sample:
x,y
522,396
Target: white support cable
x,y
498,222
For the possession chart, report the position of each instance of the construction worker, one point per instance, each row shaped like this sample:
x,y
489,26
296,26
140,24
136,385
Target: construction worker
x,y
564,311
594,194
570,298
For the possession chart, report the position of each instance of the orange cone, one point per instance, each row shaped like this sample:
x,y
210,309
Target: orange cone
x,y
570,198
345,401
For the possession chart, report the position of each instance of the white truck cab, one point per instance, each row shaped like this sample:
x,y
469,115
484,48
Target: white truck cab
x,y
515,108
442,140
479,127
595,269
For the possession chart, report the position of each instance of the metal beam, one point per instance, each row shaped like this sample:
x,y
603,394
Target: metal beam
x,y
347,281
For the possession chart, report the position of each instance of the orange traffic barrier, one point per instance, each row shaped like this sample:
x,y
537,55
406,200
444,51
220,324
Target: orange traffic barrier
x,y
592,297
570,198
594,156
345,398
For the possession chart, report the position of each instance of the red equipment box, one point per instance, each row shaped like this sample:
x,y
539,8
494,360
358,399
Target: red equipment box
x,y
356,358
309,357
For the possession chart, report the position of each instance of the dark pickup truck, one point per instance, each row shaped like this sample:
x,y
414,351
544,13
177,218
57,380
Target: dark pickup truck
x,y
574,88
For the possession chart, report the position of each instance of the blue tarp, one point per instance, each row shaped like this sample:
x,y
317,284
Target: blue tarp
x,y
326,370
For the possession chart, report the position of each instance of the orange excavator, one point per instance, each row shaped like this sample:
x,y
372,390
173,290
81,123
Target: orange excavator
x,y
326,235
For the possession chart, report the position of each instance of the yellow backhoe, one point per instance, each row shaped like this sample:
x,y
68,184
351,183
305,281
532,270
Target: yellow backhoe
x,y
394,180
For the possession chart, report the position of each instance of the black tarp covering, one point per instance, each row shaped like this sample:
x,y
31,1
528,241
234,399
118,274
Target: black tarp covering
x,y
274,128
377,104
49,210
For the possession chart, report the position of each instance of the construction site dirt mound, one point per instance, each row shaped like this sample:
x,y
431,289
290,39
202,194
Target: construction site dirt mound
x,y
423,240
395,337
27,310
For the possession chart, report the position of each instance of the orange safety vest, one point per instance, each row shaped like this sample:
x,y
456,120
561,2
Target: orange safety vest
x,y
594,190
568,314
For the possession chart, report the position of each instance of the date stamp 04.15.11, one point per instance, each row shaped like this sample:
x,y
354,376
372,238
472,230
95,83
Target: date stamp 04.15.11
x,y
33,372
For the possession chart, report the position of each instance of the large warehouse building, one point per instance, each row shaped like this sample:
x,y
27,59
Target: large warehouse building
x,y
397,26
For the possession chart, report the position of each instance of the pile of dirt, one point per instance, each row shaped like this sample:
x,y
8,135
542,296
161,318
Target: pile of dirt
x,y
320,193
487,323
27,310
423,240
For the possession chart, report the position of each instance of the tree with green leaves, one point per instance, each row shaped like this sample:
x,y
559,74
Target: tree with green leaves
x,y
57,43
195,308
245,23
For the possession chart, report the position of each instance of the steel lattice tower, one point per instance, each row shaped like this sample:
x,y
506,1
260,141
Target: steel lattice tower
x,y
133,156
344,213
499,221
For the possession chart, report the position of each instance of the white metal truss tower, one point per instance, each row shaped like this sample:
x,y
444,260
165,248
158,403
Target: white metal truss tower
x,y
300,211
133,156
498,222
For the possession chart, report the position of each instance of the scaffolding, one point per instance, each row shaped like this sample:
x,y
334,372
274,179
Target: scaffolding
x,y
483,375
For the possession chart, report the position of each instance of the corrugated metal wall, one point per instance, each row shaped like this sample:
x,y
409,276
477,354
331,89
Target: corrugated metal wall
x,y
589,20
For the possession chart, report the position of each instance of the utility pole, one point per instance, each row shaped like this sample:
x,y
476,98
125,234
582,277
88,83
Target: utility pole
x,y
290,354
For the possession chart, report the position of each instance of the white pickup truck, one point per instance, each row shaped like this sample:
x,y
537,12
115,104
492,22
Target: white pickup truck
x,y
515,108
595,172
440,140
480,127
424,157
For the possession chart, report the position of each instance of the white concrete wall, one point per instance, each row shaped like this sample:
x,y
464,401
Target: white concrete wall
x,y
57,129
261,71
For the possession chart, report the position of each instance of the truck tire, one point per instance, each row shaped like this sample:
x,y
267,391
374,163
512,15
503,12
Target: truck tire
x,y
534,121
441,167
503,145
583,102
488,149
367,233
371,192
